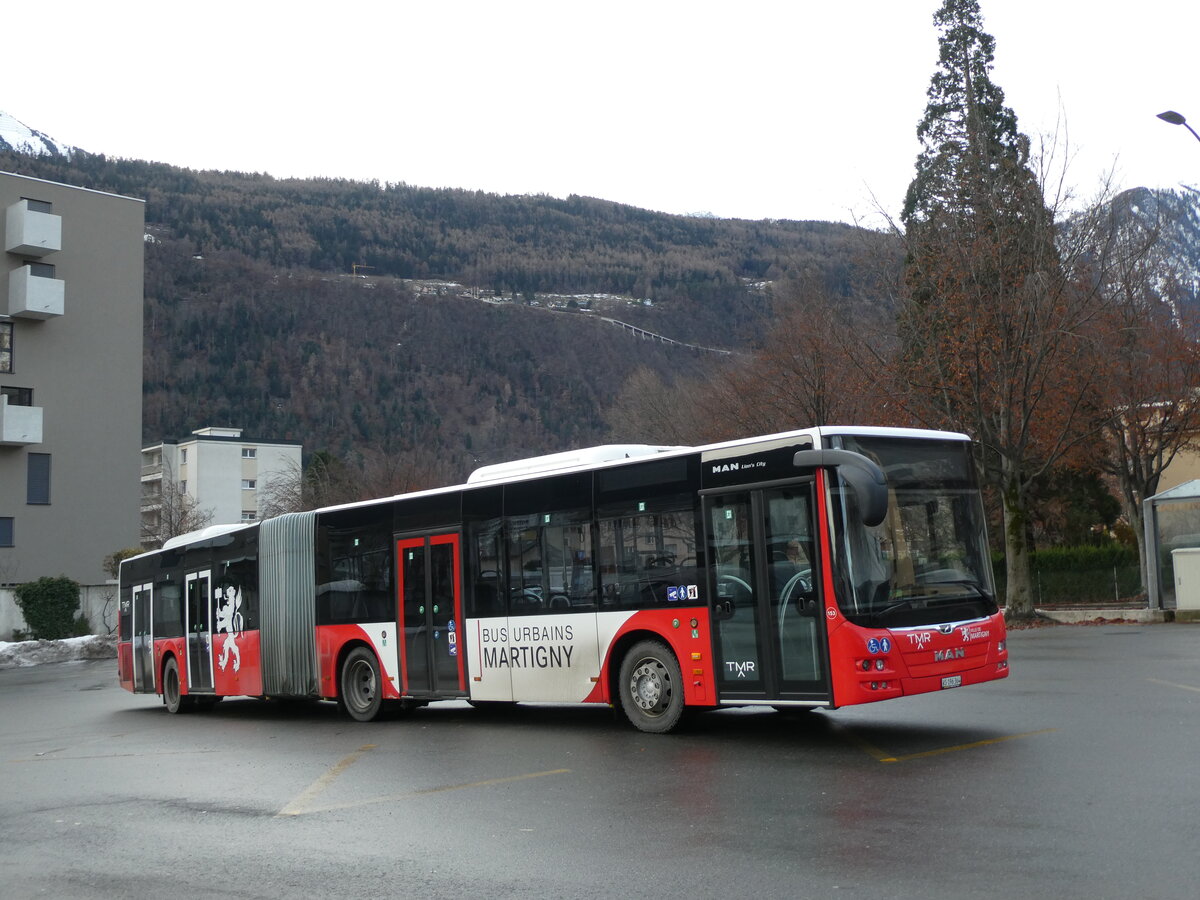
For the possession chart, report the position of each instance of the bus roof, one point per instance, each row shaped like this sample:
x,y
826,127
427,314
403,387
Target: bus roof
x,y
571,459
603,456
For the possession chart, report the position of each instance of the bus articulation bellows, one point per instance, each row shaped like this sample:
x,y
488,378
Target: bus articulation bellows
x,y
817,568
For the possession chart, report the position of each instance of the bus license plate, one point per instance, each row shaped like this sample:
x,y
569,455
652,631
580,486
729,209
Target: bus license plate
x,y
951,681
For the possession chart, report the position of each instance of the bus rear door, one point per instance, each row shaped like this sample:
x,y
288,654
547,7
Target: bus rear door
x,y
768,635
143,639
199,634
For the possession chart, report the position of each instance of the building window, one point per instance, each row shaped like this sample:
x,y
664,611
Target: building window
x,y
183,486
42,206
249,484
183,455
249,453
249,515
6,341
38,482
40,269
6,531
18,396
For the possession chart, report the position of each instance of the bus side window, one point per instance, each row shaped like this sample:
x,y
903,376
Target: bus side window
x,y
550,568
125,617
237,588
648,560
486,564
168,610
355,574
527,590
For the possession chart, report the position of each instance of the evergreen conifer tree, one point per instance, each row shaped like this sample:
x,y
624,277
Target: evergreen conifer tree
x,y
990,322
968,136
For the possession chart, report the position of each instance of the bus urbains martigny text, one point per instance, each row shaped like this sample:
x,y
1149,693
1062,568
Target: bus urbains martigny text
x,y
818,568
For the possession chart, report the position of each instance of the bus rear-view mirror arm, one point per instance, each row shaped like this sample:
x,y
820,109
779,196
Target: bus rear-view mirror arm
x,y
865,478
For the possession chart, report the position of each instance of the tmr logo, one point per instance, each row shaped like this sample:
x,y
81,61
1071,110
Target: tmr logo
x,y
740,669
945,655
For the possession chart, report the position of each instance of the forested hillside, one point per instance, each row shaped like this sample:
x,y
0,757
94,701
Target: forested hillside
x,y
254,319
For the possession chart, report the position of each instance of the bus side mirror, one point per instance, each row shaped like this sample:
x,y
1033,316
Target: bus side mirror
x,y
865,478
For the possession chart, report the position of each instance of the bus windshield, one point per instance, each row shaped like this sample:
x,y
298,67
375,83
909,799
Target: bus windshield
x,y
927,562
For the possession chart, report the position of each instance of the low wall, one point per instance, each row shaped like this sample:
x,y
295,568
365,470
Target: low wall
x,y
96,601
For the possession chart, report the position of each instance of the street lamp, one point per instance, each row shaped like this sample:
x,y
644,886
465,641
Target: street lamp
x,y
1176,119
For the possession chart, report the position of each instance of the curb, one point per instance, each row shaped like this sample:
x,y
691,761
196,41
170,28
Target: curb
x,y
1140,616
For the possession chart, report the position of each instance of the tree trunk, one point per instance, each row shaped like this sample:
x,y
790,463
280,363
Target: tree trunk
x,y
1137,521
1019,593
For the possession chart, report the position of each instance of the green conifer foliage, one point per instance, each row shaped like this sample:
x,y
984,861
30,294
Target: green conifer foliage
x,y
967,134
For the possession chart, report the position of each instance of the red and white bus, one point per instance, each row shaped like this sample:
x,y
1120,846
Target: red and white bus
x,y
817,568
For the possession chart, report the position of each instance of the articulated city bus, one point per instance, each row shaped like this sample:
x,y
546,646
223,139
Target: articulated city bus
x,y
818,568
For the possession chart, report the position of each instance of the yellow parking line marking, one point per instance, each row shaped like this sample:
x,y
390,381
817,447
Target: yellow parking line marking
x,y
884,757
1182,687
434,790
972,746
301,803
866,746
491,781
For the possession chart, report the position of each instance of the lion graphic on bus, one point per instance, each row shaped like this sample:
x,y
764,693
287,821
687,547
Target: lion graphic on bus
x,y
229,623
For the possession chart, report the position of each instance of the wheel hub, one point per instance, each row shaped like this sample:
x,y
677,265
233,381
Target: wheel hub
x,y
364,682
647,687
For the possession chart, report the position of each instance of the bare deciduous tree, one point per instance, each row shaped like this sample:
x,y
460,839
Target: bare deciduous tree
x,y
178,513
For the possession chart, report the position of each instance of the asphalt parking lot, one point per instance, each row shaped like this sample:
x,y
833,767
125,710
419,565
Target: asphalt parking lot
x,y
1075,777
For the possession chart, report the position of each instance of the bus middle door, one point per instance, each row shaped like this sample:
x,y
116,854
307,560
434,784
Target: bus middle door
x,y
430,600
768,636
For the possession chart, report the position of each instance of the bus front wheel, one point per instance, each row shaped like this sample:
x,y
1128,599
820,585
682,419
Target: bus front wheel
x,y
362,686
651,688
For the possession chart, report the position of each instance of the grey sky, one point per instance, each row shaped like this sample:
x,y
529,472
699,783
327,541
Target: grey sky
x,y
767,109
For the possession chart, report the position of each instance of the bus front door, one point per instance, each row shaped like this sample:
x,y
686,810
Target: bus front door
x,y
143,639
199,635
430,600
768,634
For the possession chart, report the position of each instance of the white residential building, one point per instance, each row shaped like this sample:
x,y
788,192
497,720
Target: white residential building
x,y
219,470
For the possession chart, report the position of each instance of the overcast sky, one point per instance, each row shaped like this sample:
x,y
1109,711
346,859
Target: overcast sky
x,y
772,109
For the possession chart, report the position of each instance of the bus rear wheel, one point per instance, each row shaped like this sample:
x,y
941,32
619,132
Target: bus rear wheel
x,y
361,695
173,696
650,687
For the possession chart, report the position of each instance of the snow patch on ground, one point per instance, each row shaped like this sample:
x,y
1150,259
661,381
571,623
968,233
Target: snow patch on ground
x,y
33,653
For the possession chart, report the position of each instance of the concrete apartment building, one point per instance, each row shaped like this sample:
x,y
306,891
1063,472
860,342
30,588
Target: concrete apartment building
x,y
218,470
70,378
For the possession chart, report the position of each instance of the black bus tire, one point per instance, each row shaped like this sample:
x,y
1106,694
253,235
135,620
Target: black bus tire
x,y
173,696
361,694
650,687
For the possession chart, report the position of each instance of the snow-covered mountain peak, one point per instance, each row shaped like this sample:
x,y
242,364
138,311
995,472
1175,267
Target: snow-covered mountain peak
x,y
17,136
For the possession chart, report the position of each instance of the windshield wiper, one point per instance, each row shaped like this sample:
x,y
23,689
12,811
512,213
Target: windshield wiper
x,y
966,583
928,597
878,615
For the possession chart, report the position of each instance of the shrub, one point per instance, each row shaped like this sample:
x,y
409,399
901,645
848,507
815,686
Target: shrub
x,y
49,606
1079,575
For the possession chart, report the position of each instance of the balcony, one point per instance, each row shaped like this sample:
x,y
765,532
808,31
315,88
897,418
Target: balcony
x,y
30,232
19,424
32,295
